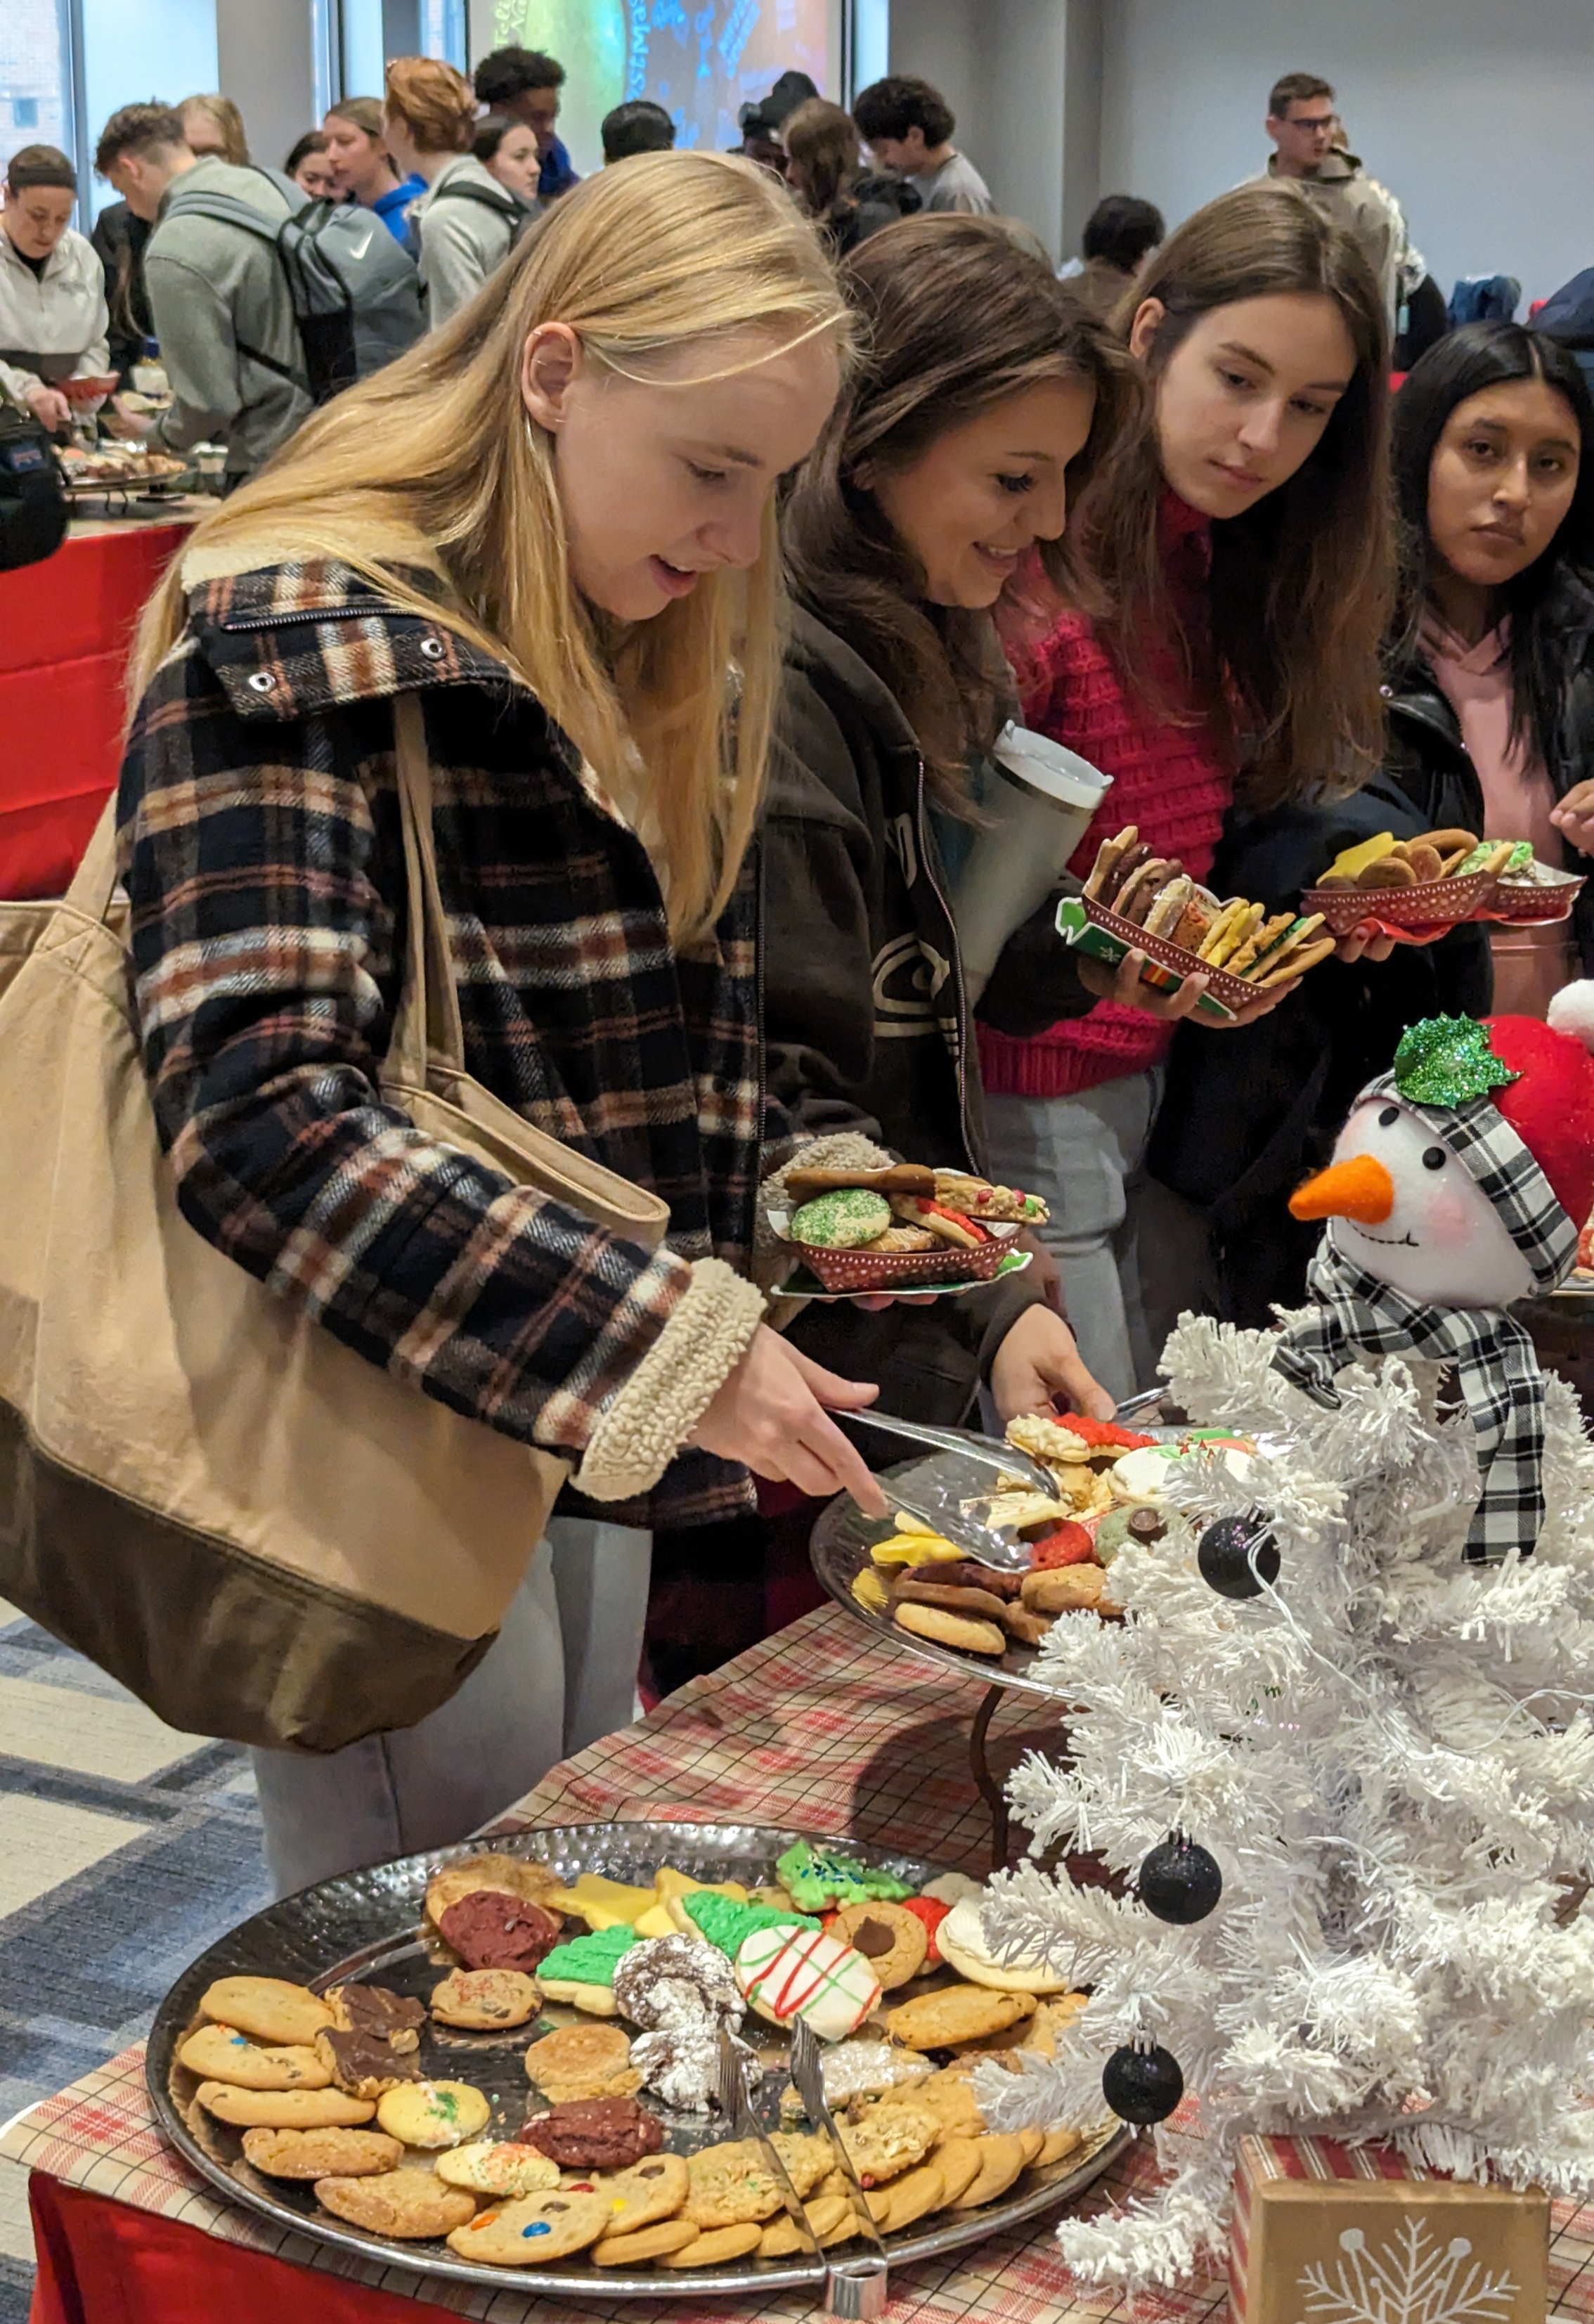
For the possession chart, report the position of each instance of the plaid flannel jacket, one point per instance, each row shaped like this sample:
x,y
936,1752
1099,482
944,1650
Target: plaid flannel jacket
x,y
261,848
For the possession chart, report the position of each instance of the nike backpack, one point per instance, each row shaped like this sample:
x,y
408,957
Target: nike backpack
x,y
356,292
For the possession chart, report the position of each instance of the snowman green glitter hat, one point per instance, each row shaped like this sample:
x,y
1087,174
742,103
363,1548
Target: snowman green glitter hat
x,y
1513,1100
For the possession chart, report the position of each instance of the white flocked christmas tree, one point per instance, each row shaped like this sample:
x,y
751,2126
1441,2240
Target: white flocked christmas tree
x,y
1389,1754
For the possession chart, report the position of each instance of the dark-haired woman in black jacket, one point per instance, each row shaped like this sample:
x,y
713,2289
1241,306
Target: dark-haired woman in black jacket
x,y
1494,462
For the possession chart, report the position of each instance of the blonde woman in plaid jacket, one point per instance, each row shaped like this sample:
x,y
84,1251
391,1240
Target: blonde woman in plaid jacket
x,y
553,521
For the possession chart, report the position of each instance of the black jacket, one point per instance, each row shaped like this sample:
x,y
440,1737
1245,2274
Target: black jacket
x,y
119,237
1249,1114
865,1022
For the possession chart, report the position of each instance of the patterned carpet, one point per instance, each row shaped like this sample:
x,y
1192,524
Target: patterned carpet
x,y
125,1848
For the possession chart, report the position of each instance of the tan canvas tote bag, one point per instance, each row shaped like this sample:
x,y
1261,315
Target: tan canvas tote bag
x,y
262,1533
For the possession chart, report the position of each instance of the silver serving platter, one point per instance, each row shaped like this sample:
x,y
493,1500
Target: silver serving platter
x,y
843,1537
369,1925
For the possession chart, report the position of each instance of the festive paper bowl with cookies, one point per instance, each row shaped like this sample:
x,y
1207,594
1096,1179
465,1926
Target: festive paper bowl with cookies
x,y
371,1929
1417,915
1548,895
950,1268
1091,929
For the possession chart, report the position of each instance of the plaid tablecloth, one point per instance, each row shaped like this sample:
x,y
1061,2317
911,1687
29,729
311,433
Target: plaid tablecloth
x,y
820,1727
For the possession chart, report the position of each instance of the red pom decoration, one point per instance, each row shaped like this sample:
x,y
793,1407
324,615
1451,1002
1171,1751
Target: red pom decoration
x,y
1552,1107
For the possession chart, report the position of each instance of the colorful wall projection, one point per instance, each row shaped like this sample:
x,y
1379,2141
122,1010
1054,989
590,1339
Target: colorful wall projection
x,y
702,59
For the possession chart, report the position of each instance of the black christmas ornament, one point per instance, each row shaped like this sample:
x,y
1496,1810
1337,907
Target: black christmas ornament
x,y
1180,1881
1228,1552
1142,2083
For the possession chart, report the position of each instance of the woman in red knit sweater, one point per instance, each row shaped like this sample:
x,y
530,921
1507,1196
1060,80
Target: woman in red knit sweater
x,y
1244,541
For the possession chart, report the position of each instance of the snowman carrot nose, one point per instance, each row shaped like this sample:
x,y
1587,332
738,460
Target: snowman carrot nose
x,y
1359,1188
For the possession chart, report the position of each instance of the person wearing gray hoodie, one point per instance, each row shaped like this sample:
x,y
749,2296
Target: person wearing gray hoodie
x,y
1302,123
218,292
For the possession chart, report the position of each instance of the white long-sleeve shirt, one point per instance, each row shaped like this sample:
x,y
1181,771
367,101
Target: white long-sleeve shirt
x,y
60,313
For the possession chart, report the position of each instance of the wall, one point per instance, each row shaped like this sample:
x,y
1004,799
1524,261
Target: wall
x,y
264,50
1474,114
1022,77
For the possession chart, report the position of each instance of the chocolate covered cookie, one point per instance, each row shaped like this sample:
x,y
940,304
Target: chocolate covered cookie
x,y
596,2133
490,1929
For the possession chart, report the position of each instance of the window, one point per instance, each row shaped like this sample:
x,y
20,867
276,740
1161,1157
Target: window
x,y
35,76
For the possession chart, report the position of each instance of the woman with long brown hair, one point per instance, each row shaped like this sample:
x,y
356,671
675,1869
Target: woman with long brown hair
x,y
551,524
937,498
1242,538
825,169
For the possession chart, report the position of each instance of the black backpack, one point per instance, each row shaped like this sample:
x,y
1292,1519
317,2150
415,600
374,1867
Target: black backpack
x,y
521,216
33,494
356,292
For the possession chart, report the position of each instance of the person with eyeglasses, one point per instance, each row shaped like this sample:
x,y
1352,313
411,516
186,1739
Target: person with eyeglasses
x,y
1303,124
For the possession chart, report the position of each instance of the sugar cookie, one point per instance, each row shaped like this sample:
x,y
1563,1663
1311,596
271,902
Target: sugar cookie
x,y
434,2114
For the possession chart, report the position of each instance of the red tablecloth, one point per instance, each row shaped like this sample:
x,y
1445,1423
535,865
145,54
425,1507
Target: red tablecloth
x,y
65,627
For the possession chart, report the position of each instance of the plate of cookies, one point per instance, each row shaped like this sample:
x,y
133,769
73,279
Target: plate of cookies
x,y
505,2063
1136,900
907,1581
1416,890
904,1228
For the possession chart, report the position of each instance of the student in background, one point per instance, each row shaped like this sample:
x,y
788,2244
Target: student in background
x,y
1304,127
466,221
525,84
507,149
218,295
1243,540
310,166
363,168
53,321
1119,233
639,127
825,170
907,127
212,124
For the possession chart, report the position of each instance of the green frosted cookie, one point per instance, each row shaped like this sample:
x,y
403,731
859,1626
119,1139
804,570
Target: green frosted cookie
x,y
844,1220
815,1880
725,1923
587,1960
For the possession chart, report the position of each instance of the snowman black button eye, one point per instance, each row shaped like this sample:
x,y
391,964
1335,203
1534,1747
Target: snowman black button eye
x,y
1434,1157
1389,1116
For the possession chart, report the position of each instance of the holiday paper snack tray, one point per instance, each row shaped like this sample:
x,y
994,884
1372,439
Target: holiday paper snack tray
x,y
368,1926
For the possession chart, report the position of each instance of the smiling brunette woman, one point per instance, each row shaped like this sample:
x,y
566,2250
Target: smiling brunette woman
x,y
943,477
1243,537
552,522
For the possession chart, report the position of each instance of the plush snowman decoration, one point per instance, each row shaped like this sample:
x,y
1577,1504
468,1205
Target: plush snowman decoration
x,y
1457,1186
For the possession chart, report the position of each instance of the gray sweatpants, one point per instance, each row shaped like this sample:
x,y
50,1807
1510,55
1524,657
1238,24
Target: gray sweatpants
x,y
561,1672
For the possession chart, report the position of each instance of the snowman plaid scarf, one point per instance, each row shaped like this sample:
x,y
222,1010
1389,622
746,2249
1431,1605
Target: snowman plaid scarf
x,y
1357,1315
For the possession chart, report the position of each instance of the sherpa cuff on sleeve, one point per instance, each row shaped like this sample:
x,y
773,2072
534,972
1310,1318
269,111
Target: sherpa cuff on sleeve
x,y
647,1422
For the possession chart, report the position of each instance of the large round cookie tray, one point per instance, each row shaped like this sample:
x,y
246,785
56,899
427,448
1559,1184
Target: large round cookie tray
x,y
370,1924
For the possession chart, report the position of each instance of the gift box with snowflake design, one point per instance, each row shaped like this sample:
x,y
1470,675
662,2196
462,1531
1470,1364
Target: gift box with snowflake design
x,y
1325,2233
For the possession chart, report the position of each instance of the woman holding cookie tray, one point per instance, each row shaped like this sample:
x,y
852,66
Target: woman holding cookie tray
x,y
1490,704
1243,540
984,401
552,522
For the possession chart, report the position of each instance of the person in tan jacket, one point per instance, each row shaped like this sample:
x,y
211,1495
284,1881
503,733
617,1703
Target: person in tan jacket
x,y
1302,121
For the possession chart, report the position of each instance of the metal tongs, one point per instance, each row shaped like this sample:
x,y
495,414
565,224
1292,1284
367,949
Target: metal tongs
x,y
938,1493
855,2285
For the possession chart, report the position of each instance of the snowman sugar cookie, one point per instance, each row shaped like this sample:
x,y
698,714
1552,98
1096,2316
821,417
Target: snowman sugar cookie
x,y
1456,1186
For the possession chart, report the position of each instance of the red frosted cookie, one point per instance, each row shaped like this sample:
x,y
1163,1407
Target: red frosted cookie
x,y
932,1912
490,1929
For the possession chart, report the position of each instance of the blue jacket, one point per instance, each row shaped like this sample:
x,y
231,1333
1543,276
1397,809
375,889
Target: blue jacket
x,y
559,172
390,208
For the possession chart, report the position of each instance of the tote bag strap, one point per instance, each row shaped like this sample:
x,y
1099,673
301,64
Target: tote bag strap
x,y
428,1018
93,883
